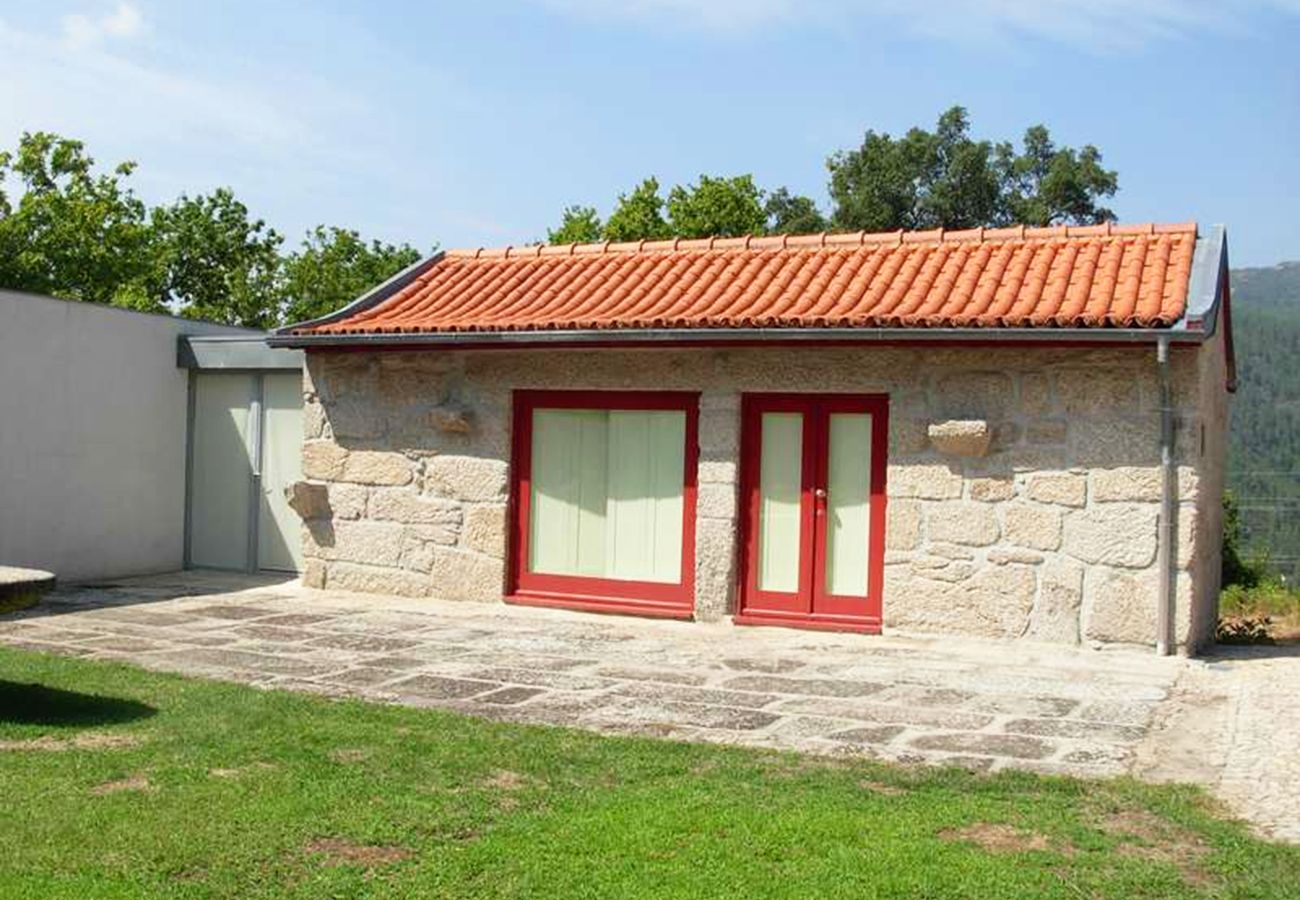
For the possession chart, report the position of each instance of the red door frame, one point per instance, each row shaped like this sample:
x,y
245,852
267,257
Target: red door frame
x,y
646,598
811,606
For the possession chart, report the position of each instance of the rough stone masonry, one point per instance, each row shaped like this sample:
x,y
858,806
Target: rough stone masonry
x,y
1023,482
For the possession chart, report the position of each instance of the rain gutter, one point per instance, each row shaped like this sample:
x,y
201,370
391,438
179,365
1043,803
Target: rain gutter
x,y
710,336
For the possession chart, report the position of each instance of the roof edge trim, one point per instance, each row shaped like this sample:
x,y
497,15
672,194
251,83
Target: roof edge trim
x,y
1209,296
248,354
687,336
1205,285
370,298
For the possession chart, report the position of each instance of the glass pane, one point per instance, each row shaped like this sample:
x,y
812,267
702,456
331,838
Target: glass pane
x,y
848,503
780,485
607,493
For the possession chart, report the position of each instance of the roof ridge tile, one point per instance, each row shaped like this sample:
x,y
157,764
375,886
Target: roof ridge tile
x,y
824,239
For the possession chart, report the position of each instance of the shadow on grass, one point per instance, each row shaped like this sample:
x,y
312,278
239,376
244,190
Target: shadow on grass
x,y
35,704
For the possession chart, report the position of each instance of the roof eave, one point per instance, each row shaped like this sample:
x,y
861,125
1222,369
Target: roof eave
x,y
689,336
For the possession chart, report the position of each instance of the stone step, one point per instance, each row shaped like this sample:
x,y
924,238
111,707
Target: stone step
x,y
21,588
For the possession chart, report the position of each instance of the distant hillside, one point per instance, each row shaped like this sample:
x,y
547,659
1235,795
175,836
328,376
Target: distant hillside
x,y
1264,443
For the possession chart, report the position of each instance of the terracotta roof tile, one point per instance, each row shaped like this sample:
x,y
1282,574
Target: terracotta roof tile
x,y
1132,276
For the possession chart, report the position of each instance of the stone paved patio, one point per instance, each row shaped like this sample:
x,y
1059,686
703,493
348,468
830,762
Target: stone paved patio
x,y
984,705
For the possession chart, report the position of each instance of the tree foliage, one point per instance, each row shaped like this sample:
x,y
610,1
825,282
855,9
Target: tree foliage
x,y
715,206
1050,185
722,207
638,215
943,178
218,263
334,266
947,179
1235,569
72,232
578,225
789,213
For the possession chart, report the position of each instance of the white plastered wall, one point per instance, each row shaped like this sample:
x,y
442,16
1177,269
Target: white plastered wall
x,y
92,437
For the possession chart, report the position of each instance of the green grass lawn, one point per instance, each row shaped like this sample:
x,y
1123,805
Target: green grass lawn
x,y
118,782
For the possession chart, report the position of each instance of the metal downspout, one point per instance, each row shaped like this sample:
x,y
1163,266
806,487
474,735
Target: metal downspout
x,y
1165,539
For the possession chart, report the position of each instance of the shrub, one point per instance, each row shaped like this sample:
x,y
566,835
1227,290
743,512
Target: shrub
x,y
1237,570
1248,629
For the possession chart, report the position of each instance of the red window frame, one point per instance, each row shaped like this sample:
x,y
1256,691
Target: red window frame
x,y
811,605
647,598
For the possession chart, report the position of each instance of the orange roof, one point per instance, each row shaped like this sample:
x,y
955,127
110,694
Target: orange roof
x,y
1074,277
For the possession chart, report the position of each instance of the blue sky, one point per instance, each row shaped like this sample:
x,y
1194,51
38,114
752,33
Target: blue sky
x,y
475,123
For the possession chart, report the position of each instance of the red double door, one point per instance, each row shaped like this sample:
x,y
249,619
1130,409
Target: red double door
x,y
813,492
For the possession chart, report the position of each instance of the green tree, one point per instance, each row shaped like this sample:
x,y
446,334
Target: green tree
x,y
333,267
578,225
725,207
638,215
218,263
1047,185
793,214
945,178
714,206
921,180
73,233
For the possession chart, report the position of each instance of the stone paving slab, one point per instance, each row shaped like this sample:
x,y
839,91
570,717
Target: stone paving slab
x,y
1233,725
983,705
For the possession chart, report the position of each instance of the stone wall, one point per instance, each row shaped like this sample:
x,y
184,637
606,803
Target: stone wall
x,y
1211,452
1050,535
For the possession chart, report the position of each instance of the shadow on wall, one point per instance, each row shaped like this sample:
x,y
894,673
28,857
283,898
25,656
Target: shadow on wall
x,y
321,529
35,704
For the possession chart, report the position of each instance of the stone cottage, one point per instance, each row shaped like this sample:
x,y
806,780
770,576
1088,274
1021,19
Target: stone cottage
x,y
1009,433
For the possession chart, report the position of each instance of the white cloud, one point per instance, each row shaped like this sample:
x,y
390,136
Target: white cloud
x,y
77,83
81,30
1095,24
191,127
